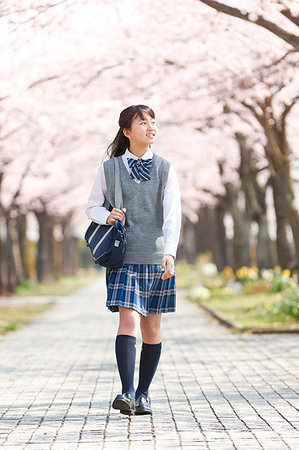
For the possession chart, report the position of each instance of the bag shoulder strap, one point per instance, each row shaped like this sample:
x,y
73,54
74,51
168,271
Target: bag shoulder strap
x,y
118,189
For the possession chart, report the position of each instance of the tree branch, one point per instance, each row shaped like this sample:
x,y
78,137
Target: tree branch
x,y
43,80
40,9
258,116
290,38
277,61
287,13
289,107
286,111
10,133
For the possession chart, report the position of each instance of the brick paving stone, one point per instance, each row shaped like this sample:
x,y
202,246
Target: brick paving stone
x,y
213,389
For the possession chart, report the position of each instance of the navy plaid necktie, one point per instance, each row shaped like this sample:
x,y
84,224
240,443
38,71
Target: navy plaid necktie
x,y
140,168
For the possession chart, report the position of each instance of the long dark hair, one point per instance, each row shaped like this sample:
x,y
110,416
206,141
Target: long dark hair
x,y
120,143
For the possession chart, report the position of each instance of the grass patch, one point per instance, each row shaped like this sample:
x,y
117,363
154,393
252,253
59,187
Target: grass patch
x,y
13,317
189,274
62,286
254,311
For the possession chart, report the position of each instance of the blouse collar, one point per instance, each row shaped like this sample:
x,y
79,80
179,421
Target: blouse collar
x,y
147,155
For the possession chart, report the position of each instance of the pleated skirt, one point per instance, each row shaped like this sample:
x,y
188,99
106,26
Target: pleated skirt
x,y
140,287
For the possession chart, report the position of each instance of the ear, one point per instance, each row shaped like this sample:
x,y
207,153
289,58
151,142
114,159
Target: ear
x,y
125,132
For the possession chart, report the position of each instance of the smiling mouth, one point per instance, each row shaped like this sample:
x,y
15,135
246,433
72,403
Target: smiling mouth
x,y
150,135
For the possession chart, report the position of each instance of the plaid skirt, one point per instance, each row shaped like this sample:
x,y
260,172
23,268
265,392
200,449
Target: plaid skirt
x,y
140,287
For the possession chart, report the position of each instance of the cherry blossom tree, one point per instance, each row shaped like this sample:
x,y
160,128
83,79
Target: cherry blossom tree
x,y
224,91
266,14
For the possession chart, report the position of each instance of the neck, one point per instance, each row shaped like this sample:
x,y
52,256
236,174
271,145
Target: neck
x,y
138,151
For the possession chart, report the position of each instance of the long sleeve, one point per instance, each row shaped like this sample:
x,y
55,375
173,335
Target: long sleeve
x,y
171,213
95,209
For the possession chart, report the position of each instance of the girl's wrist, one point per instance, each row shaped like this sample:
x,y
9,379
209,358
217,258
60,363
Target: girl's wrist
x,y
168,254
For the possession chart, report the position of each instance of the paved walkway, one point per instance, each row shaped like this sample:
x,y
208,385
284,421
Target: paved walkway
x,y
213,389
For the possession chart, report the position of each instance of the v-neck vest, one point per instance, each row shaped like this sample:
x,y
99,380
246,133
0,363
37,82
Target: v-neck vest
x,y
144,215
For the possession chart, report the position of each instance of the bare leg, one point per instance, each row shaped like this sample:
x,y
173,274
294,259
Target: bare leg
x,y
151,328
129,321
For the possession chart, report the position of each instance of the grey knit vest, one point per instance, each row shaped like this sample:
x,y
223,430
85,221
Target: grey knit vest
x,y
144,215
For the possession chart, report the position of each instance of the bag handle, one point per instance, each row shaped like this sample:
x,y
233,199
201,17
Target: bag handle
x,y
118,199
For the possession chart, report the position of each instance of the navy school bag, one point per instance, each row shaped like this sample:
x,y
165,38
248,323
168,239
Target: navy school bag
x,y
108,243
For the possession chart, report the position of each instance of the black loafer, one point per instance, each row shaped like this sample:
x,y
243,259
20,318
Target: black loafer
x,y
129,412
124,402
142,406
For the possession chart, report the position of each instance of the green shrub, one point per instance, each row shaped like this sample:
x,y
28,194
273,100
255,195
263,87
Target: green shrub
x,y
199,293
25,286
280,283
289,305
187,275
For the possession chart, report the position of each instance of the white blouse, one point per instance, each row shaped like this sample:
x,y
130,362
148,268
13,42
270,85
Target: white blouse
x,y
171,203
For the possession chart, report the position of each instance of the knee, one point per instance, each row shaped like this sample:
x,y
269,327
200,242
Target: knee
x,y
128,324
151,333
151,328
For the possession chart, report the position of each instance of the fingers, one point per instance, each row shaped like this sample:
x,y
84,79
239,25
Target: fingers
x,y
167,274
116,214
167,262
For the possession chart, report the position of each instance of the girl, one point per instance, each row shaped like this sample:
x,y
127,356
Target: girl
x,y
145,286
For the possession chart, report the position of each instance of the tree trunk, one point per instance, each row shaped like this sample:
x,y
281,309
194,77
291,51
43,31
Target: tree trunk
x,y
284,252
211,235
241,239
278,154
255,202
69,249
22,243
220,255
264,252
289,203
203,230
187,249
45,253
10,278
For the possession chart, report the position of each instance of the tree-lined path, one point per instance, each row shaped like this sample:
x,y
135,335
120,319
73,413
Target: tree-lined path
x,y
213,389
222,79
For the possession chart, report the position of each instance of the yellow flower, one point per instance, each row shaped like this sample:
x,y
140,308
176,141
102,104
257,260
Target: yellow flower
x,y
253,273
228,272
242,272
248,272
286,273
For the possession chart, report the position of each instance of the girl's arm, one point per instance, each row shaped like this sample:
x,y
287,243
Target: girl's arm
x,y
95,209
171,214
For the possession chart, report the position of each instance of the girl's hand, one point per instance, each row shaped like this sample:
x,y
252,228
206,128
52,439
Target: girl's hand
x,y
116,214
167,260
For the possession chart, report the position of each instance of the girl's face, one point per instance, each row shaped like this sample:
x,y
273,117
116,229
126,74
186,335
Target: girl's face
x,y
143,131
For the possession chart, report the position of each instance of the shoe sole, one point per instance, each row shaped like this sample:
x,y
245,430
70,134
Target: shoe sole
x,y
142,412
129,412
121,404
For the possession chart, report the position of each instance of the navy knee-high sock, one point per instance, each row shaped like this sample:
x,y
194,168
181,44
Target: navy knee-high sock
x,y
149,360
125,349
